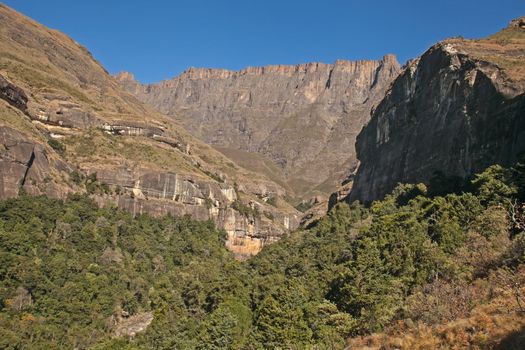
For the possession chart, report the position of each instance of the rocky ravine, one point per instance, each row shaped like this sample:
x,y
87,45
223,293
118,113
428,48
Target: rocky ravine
x,y
62,117
457,109
305,118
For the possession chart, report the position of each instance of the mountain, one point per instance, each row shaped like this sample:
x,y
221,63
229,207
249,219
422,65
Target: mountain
x,y
456,110
66,126
429,266
296,124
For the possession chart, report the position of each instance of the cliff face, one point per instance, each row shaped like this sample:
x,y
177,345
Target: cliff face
x,y
62,118
305,118
457,109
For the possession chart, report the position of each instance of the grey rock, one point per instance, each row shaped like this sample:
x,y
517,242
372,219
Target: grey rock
x,y
14,95
449,111
25,164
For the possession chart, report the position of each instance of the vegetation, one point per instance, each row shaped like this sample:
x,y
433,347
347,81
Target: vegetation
x,y
57,146
410,263
304,206
273,201
92,184
245,209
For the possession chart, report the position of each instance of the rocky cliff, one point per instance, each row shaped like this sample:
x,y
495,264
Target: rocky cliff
x,y
303,118
457,109
66,126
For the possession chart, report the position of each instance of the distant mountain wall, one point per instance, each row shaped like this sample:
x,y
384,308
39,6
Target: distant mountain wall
x,y
305,118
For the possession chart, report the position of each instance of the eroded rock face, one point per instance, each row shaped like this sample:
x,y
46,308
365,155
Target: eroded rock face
x,y
304,117
13,94
452,111
158,193
25,164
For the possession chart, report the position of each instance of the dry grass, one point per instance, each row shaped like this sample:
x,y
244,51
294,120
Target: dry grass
x,y
15,119
50,66
95,147
496,324
506,49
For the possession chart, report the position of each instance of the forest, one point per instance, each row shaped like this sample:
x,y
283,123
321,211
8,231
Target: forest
x,y
76,276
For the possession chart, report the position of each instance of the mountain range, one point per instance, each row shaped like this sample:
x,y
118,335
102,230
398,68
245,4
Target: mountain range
x,y
304,119
359,204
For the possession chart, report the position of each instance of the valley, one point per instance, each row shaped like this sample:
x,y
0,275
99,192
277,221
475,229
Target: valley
x,y
354,205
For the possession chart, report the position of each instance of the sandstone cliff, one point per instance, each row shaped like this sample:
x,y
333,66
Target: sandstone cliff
x,y
304,118
459,108
63,118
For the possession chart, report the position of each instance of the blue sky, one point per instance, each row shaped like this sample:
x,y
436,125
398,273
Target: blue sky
x,y
159,39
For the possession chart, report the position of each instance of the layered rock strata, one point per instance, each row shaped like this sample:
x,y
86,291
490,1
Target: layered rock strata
x,y
305,118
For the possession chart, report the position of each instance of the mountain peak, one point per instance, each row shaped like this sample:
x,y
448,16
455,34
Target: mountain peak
x,y
125,76
518,23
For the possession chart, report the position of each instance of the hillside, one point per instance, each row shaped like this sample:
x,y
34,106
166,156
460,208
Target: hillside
x,y
413,271
454,111
66,126
121,230
303,118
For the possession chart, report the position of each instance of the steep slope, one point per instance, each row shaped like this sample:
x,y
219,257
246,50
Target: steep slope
x,y
457,109
63,117
304,118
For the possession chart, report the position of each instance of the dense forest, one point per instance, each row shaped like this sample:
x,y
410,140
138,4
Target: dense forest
x,y
76,276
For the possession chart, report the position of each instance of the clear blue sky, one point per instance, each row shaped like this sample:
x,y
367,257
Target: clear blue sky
x,y
158,39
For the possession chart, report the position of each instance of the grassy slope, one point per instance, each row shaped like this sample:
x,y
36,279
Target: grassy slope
x,y
49,65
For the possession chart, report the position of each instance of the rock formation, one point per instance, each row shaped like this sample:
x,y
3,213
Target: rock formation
x,y
305,118
457,109
67,126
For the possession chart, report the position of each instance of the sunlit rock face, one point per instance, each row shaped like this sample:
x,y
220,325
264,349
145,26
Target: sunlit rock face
x,y
305,118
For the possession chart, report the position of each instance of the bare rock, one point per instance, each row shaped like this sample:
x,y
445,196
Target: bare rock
x,y
14,95
25,164
458,109
518,23
111,256
304,117
21,299
132,325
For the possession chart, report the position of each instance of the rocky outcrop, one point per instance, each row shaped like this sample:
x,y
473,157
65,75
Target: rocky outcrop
x,y
518,23
25,164
305,117
70,117
131,129
457,109
131,325
156,193
13,94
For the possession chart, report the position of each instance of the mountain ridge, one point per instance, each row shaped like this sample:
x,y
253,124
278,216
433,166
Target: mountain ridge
x,y
298,116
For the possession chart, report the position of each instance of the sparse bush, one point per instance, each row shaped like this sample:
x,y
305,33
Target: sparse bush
x,y
57,146
272,201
